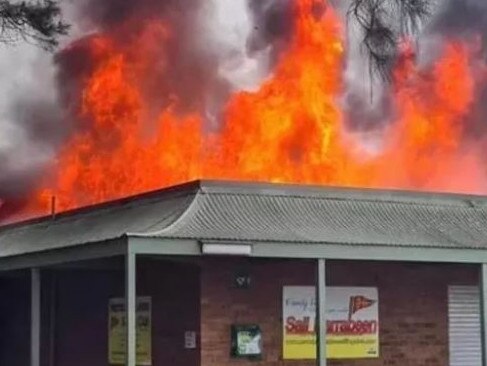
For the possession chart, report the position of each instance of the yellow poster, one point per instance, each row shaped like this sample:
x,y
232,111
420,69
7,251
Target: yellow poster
x,y
117,332
352,322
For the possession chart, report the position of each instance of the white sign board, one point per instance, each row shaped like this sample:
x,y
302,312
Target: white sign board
x,y
352,322
189,340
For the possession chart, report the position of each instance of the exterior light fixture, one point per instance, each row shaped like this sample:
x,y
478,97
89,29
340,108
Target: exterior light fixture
x,y
226,249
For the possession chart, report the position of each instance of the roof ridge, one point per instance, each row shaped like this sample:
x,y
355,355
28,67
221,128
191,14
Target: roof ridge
x,y
444,200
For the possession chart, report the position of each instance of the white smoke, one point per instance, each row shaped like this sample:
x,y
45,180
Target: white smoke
x,y
29,111
27,73
227,27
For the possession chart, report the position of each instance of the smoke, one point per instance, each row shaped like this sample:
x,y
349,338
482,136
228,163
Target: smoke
x,y
216,48
274,26
367,100
32,123
460,18
465,20
455,20
29,118
205,51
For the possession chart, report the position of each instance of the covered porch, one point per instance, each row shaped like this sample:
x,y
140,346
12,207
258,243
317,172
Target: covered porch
x,y
227,248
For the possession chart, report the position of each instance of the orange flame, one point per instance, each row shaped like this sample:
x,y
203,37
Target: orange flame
x,y
290,130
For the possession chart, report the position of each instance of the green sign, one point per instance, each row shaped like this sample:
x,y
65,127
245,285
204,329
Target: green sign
x,y
246,341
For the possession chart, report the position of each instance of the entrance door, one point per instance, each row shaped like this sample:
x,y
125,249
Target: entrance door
x,y
464,326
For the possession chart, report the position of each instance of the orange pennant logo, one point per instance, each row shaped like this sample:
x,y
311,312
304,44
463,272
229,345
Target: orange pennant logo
x,y
358,303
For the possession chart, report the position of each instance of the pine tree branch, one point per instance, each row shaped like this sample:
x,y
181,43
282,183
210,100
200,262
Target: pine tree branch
x,y
37,22
384,24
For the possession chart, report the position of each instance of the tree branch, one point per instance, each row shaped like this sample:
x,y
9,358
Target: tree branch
x,y
37,22
384,24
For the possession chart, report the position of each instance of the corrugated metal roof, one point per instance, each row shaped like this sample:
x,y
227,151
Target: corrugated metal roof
x,y
149,212
226,211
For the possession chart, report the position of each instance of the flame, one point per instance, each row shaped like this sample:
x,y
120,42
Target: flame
x,y
290,130
424,144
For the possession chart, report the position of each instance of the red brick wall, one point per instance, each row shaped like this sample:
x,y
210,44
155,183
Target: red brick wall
x,y
412,307
175,309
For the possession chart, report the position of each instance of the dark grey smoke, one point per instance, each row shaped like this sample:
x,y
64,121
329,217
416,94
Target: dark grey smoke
x,y
27,161
41,123
192,74
193,67
366,101
30,116
108,14
466,20
461,18
190,71
363,115
273,23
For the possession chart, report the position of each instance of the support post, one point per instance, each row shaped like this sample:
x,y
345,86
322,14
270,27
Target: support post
x,y
321,313
130,301
483,315
52,319
35,317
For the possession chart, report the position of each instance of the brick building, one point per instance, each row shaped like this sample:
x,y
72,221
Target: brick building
x,y
212,255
